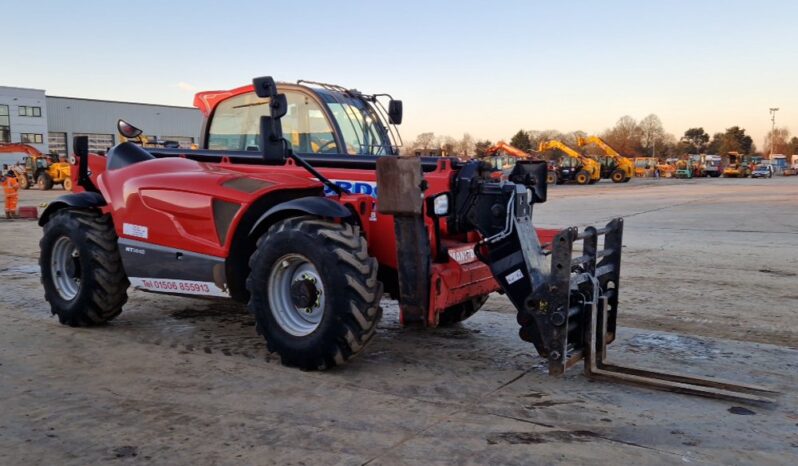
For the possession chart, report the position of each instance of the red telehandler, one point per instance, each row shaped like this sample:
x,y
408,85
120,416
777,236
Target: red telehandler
x,y
279,210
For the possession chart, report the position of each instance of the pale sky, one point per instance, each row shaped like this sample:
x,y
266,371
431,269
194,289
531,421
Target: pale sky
x,y
487,68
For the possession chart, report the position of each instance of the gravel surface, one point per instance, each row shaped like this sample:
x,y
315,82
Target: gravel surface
x,y
708,286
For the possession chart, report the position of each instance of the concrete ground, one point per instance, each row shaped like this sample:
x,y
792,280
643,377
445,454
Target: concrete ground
x,y
708,286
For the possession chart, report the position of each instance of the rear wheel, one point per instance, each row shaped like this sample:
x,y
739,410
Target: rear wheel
x,y
67,184
583,177
82,273
551,178
44,182
461,312
314,292
618,176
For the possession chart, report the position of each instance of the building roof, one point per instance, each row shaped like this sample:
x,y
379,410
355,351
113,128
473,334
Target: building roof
x,y
119,102
22,88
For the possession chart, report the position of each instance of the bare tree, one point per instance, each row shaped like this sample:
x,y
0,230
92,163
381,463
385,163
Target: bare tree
x,y
625,137
779,140
447,144
652,134
536,137
465,146
425,141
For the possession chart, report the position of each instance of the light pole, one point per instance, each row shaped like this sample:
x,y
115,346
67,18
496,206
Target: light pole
x,y
773,111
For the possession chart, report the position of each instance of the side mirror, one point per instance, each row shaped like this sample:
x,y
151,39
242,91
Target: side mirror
x,y
127,130
80,145
395,112
275,148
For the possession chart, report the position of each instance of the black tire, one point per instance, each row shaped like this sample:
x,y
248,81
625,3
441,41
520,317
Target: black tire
x,y
44,182
618,176
461,312
348,315
551,178
102,287
23,181
583,177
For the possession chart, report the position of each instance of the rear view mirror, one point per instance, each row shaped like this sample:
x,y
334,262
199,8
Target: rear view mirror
x,y
80,145
127,130
395,112
275,148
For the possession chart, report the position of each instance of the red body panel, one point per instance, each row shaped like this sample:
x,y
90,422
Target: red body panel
x,y
173,198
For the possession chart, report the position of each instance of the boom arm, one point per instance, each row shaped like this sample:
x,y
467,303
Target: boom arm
x,y
602,145
23,148
508,149
553,144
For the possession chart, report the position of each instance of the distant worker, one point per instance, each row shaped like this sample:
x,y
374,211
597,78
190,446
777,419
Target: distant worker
x,y
656,173
11,189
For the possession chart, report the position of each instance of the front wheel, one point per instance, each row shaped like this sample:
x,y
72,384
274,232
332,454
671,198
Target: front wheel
x,y
44,182
82,272
551,178
583,177
23,181
314,292
618,176
67,184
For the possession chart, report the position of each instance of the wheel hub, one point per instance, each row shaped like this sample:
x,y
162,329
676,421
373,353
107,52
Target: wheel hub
x,y
65,268
296,295
304,293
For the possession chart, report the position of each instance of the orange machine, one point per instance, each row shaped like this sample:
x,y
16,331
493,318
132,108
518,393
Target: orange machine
x,y
39,169
503,155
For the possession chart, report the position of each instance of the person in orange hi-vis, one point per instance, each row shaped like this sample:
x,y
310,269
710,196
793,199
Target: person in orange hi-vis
x,y
11,189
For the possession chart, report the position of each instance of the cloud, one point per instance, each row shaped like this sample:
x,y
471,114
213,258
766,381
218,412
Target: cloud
x,y
186,87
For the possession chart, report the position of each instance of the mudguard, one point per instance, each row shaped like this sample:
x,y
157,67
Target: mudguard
x,y
311,205
83,200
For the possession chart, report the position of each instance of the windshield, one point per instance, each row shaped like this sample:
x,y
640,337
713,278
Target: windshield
x,y
362,130
236,124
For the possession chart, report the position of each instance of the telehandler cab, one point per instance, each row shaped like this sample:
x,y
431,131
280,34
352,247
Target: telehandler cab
x,y
279,210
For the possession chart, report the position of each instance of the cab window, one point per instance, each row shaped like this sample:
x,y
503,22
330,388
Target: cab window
x,y
236,124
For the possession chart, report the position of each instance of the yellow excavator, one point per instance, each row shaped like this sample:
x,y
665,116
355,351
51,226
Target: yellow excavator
x,y
614,166
575,167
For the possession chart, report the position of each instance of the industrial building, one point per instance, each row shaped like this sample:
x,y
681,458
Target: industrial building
x,y
49,123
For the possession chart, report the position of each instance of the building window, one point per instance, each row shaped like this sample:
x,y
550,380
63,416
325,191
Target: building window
x,y
98,142
30,111
57,143
5,126
31,138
